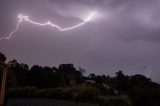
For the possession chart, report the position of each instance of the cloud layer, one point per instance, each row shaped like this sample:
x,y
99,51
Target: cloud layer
x,y
125,34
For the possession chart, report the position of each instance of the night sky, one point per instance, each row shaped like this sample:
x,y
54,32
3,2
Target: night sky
x,y
124,34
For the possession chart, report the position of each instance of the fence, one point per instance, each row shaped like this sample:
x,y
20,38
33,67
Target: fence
x,y
3,75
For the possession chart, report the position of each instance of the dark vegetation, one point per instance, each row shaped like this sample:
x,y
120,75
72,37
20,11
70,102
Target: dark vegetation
x,y
68,83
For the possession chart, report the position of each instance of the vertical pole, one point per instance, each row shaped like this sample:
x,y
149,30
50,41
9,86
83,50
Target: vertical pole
x,y
2,92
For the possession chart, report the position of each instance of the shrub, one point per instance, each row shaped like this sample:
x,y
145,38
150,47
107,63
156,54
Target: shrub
x,y
86,94
21,92
115,101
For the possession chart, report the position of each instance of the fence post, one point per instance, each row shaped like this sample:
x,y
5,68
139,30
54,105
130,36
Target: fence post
x,y
4,76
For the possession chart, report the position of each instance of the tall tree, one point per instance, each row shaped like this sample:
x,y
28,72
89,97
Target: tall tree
x,y
2,57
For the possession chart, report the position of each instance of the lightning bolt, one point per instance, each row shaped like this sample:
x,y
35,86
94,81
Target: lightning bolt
x,y
48,23
148,74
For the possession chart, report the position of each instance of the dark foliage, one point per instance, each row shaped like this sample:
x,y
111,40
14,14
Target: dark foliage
x,y
67,82
2,57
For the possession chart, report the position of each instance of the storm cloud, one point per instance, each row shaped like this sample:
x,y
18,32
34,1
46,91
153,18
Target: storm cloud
x,y
124,36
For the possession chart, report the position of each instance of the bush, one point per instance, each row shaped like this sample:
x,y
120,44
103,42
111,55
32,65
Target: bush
x,y
86,94
60,93
21,92
41,93
115,101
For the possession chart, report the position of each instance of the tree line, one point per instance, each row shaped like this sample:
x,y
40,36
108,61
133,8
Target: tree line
x,y
67,82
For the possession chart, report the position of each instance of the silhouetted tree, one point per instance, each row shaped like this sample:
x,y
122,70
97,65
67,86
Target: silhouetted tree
x,y
2,57
92,76
19,71
141,90
68,73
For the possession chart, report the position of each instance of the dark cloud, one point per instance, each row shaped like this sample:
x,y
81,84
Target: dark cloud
x,y
125,35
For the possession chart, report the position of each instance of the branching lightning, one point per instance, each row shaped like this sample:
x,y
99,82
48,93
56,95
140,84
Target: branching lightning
x,y
48,23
